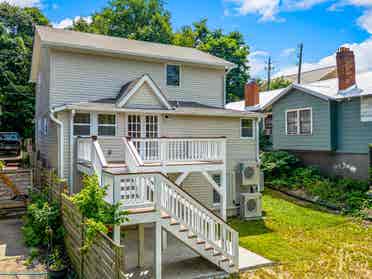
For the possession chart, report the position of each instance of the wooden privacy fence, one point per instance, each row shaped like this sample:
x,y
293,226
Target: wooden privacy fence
x,y
103,260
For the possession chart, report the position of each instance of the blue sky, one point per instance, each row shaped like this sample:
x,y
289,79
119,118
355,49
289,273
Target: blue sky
x,y
270,27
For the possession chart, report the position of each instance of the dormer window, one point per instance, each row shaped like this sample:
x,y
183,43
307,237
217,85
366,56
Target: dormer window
x,y
173,75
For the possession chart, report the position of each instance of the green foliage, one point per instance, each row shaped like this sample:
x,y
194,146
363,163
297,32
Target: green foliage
x,y
2,165
278,164
145,20
42,223
230,46
284,170
98,213
276,83
56,260
17,96
265,142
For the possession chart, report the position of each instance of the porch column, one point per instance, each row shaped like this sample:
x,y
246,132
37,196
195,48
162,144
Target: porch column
x,y
223,195
141,245
157,251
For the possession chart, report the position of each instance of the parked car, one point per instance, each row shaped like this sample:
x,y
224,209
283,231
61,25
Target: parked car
x,y
10,142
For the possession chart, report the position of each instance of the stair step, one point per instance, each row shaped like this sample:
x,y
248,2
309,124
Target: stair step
x,y
225,260
192,236
174,223
217,254
184,230
208,248
200,242
165,215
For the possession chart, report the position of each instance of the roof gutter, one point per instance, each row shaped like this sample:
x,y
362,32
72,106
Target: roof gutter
x,y
60,142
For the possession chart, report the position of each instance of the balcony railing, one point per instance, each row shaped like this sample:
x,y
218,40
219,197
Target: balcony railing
x,y
180,149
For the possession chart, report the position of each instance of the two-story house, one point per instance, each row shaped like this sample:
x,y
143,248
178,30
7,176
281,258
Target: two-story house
x,y
149,120
327,123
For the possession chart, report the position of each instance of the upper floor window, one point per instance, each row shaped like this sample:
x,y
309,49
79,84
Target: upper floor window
x,y
173,75
106,124
82,124
299,122
246,128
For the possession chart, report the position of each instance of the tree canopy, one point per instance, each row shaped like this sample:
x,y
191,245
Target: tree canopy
x,y
16,93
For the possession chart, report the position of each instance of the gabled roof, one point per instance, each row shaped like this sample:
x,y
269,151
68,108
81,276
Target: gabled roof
x,y
130,88
79,41
314,75
326,90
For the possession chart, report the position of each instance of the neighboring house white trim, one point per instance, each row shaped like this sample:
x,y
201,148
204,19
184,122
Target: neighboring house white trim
x,y
298,128
145,78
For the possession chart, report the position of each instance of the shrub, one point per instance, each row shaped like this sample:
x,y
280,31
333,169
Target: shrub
x,y
98,213
278,164
42,222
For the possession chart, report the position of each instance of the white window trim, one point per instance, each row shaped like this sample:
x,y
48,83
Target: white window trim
x,y
253,129
165,74
108,125
143,122
298,121
83,124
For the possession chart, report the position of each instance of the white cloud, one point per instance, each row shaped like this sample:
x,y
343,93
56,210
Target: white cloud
x,y
288,52
302,4
67,22
365,21
267,9
257,62
23,3
363,59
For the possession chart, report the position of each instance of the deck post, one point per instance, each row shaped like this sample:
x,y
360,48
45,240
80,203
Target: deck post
x,y
164,239
157,252
141,245
117,234
223,195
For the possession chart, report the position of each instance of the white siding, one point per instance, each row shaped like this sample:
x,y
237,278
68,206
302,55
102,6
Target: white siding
x,y
144,98
79,78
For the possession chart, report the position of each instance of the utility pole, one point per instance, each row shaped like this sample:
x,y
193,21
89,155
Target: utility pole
x,y
269,68
300,54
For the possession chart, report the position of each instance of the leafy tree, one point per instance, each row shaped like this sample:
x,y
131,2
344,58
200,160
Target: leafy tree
x,y
276,83
145,20
229,46
17,96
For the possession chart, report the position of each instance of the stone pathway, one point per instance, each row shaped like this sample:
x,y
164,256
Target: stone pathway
x,y
13,265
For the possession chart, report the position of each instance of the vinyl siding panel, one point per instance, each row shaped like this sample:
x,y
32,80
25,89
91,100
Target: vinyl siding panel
x,y
353,135
144,98
80,77
199,187
321,137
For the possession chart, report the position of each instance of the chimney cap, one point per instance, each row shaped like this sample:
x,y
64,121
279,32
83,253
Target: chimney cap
x,y
344,49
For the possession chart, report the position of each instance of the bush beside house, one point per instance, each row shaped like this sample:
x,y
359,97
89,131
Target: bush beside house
x,y
285,171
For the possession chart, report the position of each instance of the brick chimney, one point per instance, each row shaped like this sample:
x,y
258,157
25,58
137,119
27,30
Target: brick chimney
x,y
345,68
251,94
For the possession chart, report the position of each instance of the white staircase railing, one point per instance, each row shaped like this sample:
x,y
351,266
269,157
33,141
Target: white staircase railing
x,y
84,147
180,149
159,191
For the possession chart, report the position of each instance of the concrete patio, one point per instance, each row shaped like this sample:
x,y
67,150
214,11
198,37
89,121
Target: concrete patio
x,y
178,260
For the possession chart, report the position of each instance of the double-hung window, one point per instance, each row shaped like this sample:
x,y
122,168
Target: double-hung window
x,y
173,74
299,122
268,125
82,124
246,128
106,124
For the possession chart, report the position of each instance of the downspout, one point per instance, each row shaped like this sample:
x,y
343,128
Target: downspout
x,y
72,149
259,119
60,142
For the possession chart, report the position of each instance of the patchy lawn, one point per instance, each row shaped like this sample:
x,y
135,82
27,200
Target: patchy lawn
x,y
307,243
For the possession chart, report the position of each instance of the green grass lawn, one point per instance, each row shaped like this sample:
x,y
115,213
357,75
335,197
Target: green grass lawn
x,y
307,242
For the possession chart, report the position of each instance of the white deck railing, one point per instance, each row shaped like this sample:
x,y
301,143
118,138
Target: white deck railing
x,y
84,149
180,149
157,190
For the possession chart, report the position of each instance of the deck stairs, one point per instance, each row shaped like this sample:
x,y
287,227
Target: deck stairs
x,y
180,214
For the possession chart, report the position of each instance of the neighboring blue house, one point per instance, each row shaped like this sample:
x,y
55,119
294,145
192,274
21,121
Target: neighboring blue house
x,y
327,123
